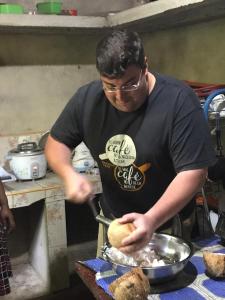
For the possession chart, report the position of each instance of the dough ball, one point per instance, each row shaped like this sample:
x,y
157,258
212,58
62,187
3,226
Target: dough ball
x,y
215,263
117,232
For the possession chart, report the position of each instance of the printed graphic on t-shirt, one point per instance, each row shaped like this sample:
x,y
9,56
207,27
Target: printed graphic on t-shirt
x,y
120,151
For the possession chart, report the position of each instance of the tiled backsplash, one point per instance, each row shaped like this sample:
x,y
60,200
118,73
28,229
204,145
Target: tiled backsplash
x,y
8,143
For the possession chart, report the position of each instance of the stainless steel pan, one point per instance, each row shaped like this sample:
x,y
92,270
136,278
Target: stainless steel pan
x,y
173,250
176,251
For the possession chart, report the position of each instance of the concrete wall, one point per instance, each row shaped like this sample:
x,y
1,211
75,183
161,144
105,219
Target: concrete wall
x,y
39,73
194,52
33,96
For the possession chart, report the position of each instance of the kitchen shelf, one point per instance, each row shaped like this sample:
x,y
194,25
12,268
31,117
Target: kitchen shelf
x,y
51,23
151,16
163,14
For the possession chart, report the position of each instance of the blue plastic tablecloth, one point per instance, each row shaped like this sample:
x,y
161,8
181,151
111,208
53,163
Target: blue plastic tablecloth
x,y
191,283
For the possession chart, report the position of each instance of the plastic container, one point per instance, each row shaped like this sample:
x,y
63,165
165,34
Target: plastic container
x,y
11,9
50,8
82,160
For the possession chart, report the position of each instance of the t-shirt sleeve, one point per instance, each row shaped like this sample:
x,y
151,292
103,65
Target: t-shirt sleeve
x,y
67,128
190,144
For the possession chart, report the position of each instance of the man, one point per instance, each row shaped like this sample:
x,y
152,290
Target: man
x,y
147,133
7,224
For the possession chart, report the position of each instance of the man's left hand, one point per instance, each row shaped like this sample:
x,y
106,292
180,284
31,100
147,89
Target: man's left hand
x,y
141,236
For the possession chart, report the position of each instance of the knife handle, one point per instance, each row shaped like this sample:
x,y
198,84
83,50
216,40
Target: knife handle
x,y
92,206
103,220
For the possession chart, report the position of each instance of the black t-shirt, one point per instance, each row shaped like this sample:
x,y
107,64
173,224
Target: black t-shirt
x,y
138,153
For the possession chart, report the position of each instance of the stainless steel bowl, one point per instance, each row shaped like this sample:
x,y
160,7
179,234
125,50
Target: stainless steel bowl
x,y
175,251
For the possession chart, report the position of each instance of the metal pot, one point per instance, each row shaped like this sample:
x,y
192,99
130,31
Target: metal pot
x,y
27,161
174,250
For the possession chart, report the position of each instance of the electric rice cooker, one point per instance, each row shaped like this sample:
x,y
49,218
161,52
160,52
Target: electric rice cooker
x,y
27,161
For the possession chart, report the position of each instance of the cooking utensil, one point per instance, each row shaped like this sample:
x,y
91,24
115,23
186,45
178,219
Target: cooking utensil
x,y
176,251
209,99
219,146
99,218
43,140
27,161
220,227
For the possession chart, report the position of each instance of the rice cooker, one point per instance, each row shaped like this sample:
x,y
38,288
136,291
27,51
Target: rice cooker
x,y
27,161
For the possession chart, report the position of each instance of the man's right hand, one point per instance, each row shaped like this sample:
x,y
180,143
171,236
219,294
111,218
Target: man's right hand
x,y
78,188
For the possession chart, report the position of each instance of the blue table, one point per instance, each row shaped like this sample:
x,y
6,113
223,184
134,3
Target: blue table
x,y
191,283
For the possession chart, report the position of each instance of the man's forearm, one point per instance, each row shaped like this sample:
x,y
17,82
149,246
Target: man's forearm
x,y
180,191
59,157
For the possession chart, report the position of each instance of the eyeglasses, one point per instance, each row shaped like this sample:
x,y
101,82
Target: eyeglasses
x,y
124,88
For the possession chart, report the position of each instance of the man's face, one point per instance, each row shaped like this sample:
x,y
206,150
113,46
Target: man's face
x,y
129,92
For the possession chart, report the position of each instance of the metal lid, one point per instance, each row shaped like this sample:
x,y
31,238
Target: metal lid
x,y
43,140
30,148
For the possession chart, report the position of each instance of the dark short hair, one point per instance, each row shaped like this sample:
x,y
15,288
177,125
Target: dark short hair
x,y
117,51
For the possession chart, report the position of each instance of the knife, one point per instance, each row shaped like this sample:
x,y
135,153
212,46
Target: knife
x,y
99,218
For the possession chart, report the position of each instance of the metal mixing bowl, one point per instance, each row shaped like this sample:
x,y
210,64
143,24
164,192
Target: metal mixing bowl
x,y
173,250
